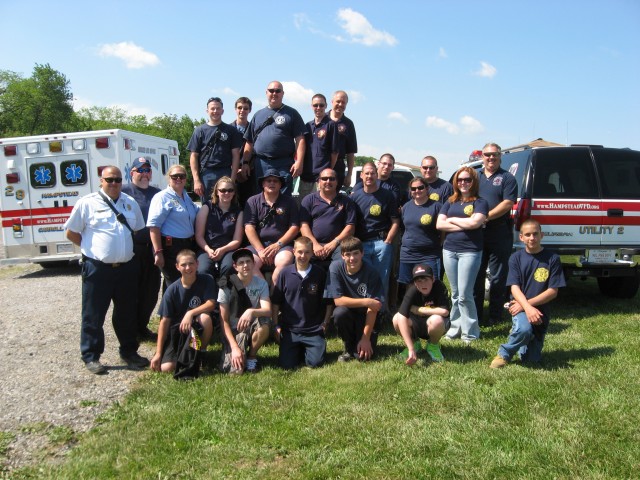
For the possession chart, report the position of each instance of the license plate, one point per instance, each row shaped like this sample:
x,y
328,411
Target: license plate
x,y
64,248
602,256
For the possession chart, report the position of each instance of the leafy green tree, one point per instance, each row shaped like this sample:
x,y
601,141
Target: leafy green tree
x,y
39,104
360,160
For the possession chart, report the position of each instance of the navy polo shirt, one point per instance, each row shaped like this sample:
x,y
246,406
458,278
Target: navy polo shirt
x,y
500,186
440,190
535,273
220,155
420,236
346,141
285,214
375,211
465,240
143,197
277,139
300,299
220,226
327,220
320,139
365,283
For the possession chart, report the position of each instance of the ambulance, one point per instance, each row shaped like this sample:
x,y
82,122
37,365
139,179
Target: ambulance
x,y
43,176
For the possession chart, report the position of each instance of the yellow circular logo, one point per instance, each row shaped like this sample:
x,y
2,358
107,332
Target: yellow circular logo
x,y
375,210
435,197
425,219
541,275
468,210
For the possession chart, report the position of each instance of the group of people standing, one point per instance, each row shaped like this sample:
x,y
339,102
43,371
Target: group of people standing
x,y
327,256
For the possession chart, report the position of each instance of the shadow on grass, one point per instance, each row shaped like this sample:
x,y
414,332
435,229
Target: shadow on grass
x,y
561,359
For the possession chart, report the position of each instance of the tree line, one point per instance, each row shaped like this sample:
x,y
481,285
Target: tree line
x,y
42,104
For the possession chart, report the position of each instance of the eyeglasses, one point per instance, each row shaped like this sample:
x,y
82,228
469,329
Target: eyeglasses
x,y
428,167
178,176
113,179
143,170
328,179
226,190
491,154
319,105
242,107
419,187
465,180
274,90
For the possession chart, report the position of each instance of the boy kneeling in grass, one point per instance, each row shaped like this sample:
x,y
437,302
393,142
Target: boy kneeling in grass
x,y
424,313
245,311
535,274
187,300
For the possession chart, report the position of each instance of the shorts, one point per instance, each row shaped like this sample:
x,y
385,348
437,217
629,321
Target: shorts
x,y
244,342
419,325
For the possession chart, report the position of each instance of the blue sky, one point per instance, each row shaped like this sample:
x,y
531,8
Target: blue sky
x,y
424,77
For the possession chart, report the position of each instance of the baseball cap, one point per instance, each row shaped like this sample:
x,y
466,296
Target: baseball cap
x,y
140,162
422,271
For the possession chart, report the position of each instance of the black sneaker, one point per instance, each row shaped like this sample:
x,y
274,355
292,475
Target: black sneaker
x,y
135,361
96,367
147,336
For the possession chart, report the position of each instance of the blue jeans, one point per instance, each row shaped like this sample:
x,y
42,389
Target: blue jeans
x,y
379,255
223,268
209,177
525,339
462,269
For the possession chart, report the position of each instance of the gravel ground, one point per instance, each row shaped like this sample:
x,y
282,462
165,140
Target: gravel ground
x,y
46,390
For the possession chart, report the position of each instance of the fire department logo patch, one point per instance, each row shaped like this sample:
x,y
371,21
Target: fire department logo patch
x,y
195,302
375,210
435,197
223,136
426,219
497,181
312,289
468,210
233,218
342,128
280,120
279,211
321,133
362,290
541,275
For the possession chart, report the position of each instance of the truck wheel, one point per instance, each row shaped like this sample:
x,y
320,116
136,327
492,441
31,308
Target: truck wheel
x,y
619,287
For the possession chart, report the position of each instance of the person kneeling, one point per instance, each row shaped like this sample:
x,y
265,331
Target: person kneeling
x,y
297,294
186,304
424,313
244,312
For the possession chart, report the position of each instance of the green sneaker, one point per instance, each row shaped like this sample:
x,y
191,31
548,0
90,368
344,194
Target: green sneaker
x,y
433,349
417,346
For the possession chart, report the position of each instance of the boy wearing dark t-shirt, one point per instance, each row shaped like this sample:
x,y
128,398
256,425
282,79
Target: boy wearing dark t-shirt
x,y
535,274
424,313
356,289
186,301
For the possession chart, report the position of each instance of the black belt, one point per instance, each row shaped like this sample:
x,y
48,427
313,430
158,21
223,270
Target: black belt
x,y
98,262
381,235
177,242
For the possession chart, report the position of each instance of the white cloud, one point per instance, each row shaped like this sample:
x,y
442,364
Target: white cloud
x,y
470,125
486,70
300,20
398,116
442,124
442,53
361,31
467,125
133,109
230,91
133,55
355,96
296,94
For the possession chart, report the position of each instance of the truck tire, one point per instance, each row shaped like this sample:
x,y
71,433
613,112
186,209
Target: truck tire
x,y
619,287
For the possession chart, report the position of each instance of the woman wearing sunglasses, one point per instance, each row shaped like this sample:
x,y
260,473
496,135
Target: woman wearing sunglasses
x,y
421,241
462,218
171,222
219,230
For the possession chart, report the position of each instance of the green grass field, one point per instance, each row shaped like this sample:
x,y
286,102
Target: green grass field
x,y
576,417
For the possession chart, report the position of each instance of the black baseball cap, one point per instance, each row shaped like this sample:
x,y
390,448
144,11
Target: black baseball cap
x,y
422,271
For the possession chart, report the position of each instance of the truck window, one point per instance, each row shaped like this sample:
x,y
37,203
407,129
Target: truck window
x,y
564,173
42,175
164,160
619,172
73,172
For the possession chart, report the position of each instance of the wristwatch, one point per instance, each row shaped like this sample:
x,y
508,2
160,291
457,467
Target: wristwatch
x,y
280,244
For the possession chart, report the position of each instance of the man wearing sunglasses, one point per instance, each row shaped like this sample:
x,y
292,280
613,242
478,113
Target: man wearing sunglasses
x,y
500,189
439,190
215,150
276,135
142,191
102,224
